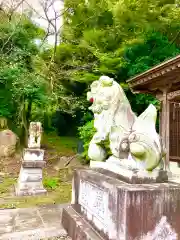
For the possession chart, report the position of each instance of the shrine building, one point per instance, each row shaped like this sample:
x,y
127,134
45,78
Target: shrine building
x,y
163,82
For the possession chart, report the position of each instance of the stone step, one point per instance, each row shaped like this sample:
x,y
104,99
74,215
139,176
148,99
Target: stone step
x,y
77,227
37,234
32,223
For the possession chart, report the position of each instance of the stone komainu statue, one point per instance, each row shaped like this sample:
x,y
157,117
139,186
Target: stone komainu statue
x,y
35,132
130,137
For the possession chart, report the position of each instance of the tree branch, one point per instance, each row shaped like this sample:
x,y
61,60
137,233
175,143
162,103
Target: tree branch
x,y
12,10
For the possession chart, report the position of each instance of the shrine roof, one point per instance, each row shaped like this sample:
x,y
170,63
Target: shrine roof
x,y
160,75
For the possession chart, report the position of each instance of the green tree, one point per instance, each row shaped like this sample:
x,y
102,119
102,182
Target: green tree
x,y
21,85
96,35
119,38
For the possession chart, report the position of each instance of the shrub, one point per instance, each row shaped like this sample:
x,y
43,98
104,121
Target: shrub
x,y
51,183
86,133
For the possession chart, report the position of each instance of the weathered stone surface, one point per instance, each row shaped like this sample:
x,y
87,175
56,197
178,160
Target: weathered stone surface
x,y
77,227
30,188
6,222
30,177
118,210
8,143
32,223
35,131
37,234
31,154
113,117
51,212
33,164
129,136
27,220
30,182
128,175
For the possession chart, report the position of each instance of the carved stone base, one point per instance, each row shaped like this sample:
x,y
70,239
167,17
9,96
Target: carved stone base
x,y
30,177
33,154
33,164
30,190
131,176
118,210
30,182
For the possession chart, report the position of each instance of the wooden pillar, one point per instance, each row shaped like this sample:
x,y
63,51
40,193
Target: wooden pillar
x,y
165,126
160,119
164,123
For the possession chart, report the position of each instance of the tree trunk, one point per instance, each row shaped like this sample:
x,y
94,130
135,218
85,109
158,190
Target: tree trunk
x,y
27,116
28,113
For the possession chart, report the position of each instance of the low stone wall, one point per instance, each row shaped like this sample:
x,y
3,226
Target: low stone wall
x,y
118,210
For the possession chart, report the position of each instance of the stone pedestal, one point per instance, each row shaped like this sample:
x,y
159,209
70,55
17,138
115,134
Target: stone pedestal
x,y
104,207
30,177
134,176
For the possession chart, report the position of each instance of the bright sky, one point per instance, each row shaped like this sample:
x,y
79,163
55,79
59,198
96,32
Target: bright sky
x,y
38,15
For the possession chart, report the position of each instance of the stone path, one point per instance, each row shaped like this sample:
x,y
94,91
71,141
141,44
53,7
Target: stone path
x,y
32,223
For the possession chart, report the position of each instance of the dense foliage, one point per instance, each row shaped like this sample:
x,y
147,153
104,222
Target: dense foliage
x,y
118,38
21,86
86,133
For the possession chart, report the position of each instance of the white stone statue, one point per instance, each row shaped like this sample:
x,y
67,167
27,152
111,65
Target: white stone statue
x,y
145,145
132,140
35,132
113,117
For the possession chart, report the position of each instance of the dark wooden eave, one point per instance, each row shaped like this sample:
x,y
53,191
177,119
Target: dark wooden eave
x,y
165,75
